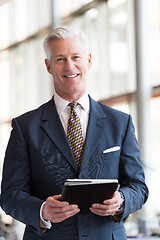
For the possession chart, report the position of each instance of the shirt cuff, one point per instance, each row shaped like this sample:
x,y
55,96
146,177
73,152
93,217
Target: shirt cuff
x,y
43,223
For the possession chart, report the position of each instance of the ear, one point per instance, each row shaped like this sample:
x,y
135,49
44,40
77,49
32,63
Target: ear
x,y
89,60
48,66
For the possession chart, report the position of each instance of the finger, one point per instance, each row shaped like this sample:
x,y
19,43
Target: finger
x,y
54,202
110,201
100,212
57,214
63,216
115,199
51,205
57,197
114,208
102,206
61,209
103,212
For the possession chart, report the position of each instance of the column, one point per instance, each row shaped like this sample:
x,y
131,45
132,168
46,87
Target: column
x,y
143,94
56,13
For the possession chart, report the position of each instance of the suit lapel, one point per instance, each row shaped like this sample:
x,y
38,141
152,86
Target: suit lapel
x,y
94,130
52,125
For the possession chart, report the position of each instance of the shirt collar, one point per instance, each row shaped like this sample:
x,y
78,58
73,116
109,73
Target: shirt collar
x,y
84,102
61,103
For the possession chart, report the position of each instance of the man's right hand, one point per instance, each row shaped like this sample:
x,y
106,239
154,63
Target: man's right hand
x,y
56,211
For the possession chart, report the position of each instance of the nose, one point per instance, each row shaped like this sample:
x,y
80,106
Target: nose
x,y
69,65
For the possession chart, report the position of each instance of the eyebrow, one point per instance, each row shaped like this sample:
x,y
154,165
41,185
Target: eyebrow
x,y
76,53
62,55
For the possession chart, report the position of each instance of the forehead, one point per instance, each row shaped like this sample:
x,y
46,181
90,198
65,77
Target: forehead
x,y
67,46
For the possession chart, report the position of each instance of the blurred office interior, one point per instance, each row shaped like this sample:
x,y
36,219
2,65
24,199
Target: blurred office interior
x,y
124,36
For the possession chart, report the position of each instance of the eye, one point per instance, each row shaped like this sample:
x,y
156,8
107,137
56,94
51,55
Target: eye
x,y
76,57
59,59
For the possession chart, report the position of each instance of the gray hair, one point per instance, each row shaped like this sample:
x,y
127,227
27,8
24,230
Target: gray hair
x,y
63,33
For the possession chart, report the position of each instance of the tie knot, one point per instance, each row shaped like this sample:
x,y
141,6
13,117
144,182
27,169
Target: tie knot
x,y
73,105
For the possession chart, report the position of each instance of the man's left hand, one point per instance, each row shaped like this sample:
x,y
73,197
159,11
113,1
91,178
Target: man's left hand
x,y
109,206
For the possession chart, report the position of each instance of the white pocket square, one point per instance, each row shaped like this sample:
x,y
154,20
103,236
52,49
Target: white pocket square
x,y
112,149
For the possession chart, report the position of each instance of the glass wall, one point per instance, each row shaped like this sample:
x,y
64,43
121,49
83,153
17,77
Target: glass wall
x,y
24,82
22,18
154,39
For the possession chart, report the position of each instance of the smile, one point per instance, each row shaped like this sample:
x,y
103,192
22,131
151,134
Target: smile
x,y
71,76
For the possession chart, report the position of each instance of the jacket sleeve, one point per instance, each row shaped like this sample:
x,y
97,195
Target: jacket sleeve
x,y
131,173
16,199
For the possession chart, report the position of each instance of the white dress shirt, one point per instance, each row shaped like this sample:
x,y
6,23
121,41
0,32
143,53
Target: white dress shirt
x,y
82,111
64,111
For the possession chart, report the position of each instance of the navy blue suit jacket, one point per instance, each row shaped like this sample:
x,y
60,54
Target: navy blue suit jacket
x,y
38,160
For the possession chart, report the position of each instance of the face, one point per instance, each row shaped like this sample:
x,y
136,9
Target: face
x,y
68,65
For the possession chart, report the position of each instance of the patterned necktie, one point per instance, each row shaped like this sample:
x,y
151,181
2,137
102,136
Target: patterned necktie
x,y
74,134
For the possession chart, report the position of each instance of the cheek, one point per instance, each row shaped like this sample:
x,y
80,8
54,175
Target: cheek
x,y
84,72
56,69
80,68
57,73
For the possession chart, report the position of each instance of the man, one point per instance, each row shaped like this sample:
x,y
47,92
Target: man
x,y
40,156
